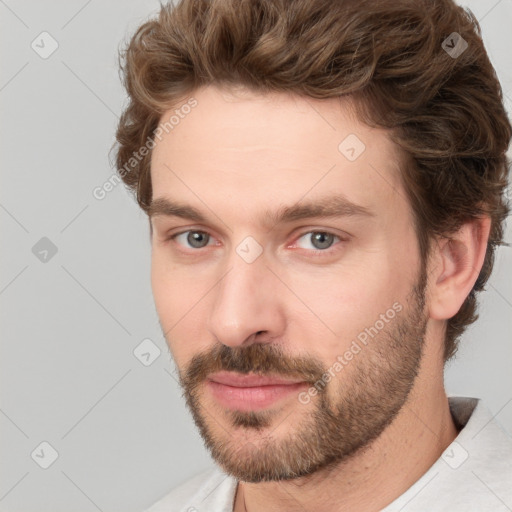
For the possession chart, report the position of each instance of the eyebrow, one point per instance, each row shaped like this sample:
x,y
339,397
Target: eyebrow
x,y
327,207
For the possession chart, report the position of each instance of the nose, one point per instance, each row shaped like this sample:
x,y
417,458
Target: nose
x,y
246,304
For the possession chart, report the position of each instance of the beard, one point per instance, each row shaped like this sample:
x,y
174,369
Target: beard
x,y
342,419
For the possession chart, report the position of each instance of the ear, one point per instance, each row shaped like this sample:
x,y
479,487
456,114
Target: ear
x,y
458,261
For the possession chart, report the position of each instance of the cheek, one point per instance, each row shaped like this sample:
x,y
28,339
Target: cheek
x,y
173,285
161,286
335,305
177,295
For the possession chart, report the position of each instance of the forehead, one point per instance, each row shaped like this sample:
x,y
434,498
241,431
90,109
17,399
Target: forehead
x,y
268,149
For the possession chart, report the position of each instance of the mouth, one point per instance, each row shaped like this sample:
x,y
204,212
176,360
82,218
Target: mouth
x,y
251,392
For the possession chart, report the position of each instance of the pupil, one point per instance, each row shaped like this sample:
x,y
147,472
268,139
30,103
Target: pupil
x,y
322,239
194,238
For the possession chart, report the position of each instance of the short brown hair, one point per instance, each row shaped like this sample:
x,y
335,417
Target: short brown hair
x,y
444,110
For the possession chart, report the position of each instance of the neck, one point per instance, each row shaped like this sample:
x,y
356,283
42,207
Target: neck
x,y
372,479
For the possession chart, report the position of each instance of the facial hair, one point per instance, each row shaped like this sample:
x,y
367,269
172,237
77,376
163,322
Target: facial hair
x,y
344,417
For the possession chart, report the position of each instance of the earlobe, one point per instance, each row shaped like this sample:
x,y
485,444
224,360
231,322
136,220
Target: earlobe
x,y
459,260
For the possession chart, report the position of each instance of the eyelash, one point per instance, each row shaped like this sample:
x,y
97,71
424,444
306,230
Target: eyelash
x,y
312,252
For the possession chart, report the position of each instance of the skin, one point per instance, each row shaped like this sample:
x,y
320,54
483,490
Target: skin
x,y
384,417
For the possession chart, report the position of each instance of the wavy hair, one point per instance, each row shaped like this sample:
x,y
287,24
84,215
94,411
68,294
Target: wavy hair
x,y
445,111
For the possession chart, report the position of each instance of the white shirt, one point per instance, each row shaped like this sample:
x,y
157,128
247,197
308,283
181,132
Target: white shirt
x,y
474,474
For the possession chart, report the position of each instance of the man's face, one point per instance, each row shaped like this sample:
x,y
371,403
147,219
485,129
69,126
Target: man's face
x,y
333,303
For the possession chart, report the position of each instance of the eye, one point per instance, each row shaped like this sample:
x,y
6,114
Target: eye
x,y
319,241
316,242
195,239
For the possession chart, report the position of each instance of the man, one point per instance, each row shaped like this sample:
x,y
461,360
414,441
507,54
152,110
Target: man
x,y
324,185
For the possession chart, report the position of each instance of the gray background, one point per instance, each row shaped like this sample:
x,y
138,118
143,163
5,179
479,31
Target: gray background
x,y
71,323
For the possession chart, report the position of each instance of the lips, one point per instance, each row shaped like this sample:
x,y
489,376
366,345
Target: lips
x,y
247,381
235,391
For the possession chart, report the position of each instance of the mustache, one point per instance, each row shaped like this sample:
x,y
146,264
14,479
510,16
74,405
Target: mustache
x,y
260,358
